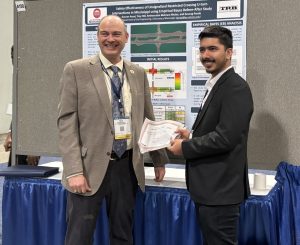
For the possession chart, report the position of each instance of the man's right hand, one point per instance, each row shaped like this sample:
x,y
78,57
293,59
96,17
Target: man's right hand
x,y
79,184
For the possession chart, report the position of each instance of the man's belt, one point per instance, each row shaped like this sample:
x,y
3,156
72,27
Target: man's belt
x,y
126,154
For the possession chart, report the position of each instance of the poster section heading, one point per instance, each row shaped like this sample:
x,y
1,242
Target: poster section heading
x,y
164,12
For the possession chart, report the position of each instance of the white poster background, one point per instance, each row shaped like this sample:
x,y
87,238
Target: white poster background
x,y
175,73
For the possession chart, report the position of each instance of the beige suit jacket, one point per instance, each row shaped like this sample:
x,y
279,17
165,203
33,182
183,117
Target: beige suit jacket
x,y
85,120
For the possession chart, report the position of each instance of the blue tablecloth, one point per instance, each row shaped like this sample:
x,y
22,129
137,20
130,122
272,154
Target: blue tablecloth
x,y
34,214
288,176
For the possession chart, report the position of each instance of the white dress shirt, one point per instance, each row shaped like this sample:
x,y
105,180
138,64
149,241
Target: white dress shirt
x,y
210,83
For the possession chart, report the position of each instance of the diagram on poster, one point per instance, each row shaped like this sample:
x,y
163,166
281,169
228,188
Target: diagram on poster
x,y
166,79
158,38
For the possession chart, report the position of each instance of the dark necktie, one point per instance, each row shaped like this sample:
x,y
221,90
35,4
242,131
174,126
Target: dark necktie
x,y
119,145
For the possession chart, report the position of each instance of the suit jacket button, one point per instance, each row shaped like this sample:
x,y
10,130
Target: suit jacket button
x,y
112,132
108,153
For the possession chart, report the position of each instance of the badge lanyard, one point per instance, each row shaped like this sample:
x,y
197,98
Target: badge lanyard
x,y
117,92
122,126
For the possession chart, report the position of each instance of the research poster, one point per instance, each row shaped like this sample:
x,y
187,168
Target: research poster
x,y
163,39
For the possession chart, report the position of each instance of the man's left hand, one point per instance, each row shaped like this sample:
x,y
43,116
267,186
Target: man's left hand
x,y
159,173
175,147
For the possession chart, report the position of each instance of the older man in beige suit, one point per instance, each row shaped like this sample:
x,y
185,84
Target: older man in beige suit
x,y
89,129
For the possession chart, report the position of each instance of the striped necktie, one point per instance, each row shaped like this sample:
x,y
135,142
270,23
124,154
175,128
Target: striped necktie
x,y
119,145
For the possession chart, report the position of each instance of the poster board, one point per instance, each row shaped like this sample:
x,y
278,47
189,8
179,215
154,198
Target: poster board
x,y
48,34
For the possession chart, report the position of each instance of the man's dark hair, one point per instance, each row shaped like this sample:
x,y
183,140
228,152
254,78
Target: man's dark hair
x,y
223,34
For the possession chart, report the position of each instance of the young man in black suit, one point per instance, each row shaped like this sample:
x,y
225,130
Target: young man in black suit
x,y
216,149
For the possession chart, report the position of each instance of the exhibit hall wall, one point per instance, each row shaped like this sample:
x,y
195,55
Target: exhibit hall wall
x,y
6,70
49,34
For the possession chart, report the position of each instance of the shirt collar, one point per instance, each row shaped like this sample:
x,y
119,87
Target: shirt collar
x,y
212,81
106,63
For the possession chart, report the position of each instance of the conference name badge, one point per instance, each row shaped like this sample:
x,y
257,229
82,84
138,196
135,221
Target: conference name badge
x,y
122,128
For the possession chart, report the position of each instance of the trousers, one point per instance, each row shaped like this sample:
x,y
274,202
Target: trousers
x,y
118,189
218,224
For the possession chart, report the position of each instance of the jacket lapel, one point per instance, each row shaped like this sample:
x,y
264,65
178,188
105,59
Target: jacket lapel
x,y
221,80
204,108
98,77
131,79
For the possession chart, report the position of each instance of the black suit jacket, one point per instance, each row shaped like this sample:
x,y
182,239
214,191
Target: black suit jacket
x,y
216,156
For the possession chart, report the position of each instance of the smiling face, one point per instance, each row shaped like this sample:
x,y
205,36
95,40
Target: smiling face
x,y
112,37
214,56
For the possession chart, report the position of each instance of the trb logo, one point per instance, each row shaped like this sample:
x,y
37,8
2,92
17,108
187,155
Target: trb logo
x,y
228,8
